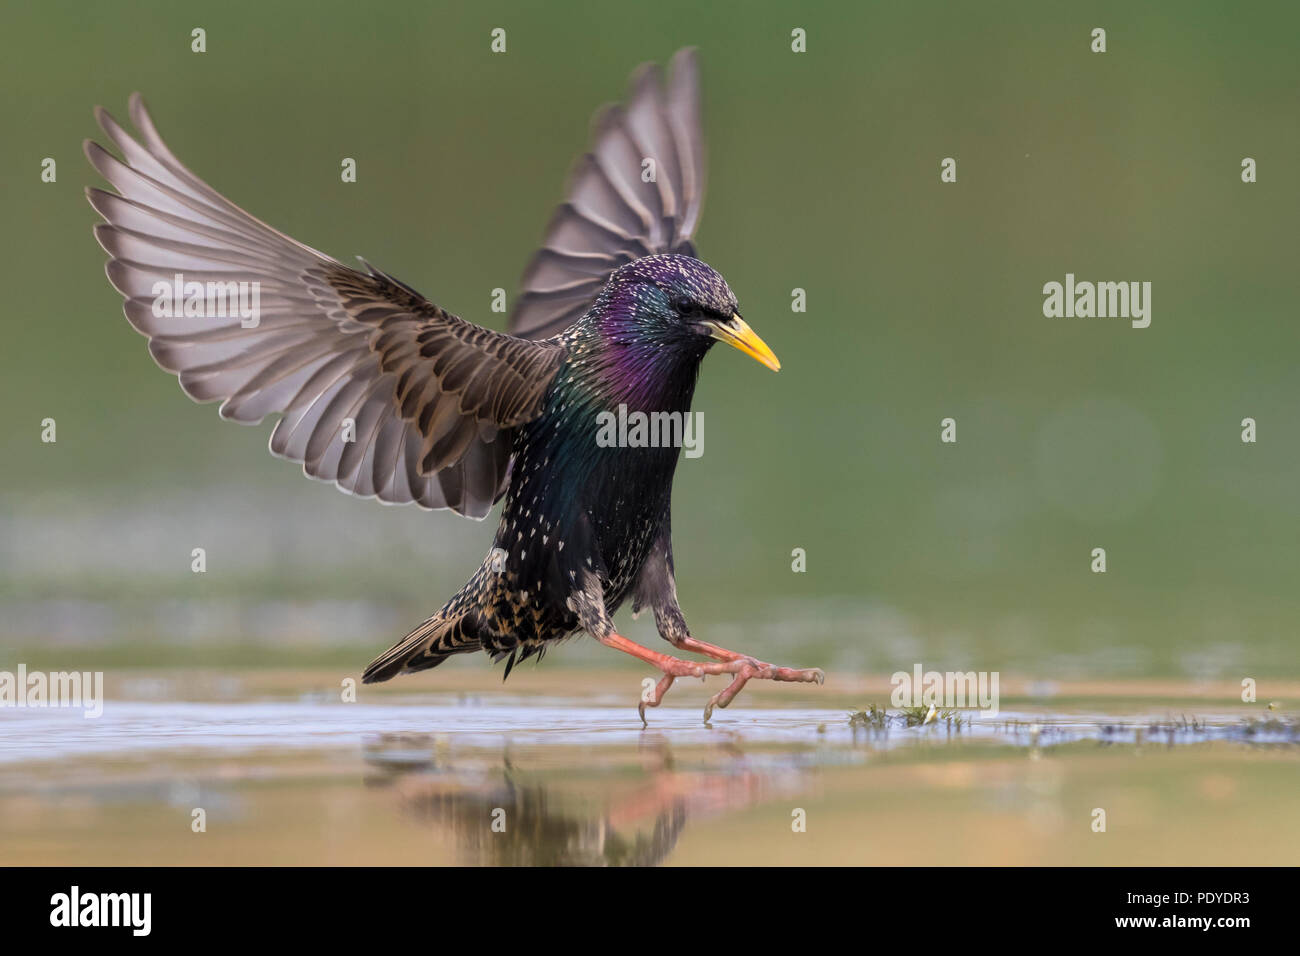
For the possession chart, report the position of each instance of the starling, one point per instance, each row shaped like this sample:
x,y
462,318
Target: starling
x,y
387,395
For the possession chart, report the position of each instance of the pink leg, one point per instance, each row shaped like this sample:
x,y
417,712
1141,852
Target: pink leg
x,y
742,668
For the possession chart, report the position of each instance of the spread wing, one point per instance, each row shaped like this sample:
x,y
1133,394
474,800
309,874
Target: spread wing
x,y
619,206
380,391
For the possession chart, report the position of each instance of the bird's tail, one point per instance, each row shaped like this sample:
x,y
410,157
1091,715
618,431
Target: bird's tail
x,y
444,634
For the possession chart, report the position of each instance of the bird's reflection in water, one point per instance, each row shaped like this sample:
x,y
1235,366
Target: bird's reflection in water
x,y
628,811
536,830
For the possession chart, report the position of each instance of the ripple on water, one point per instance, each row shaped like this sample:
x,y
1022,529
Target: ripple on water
x,y
132,727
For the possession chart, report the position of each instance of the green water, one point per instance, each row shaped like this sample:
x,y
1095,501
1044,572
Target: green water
x,y
924,302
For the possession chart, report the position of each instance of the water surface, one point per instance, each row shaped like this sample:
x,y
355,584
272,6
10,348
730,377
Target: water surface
x,y
479,777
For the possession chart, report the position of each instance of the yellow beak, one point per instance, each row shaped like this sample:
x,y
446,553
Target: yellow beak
x,y
738,334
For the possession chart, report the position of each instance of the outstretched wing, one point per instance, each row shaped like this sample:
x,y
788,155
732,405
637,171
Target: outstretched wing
x,y
380,391
637,193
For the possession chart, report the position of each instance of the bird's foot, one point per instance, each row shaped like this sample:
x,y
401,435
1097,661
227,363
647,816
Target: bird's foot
x,y
748,668
673,668
740,667
651,698
742,671
752,669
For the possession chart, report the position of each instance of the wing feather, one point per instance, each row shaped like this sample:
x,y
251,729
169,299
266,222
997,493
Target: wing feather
x,y
612,213
378,390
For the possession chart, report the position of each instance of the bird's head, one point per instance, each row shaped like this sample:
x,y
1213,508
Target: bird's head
x,y
678,301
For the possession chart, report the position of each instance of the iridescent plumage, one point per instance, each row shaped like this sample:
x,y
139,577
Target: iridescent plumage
x,y
388,395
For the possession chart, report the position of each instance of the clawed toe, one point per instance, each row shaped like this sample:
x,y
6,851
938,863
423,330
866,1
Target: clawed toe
x,y
756,670
740,667
651,698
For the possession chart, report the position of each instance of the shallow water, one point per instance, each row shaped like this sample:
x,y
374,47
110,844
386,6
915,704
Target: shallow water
x,y
131,728
482,777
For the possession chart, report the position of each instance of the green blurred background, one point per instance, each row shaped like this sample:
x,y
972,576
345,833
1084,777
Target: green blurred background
x,y
924,301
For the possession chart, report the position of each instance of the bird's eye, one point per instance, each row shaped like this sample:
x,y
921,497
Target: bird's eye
x,y
683,307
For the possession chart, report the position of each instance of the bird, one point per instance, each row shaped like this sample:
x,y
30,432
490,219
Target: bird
x,y
388,395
